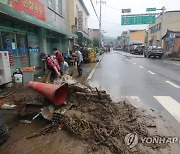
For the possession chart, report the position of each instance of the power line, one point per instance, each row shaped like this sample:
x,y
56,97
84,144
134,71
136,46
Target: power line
x,y
94,10
111,22
166,4
105,21
114,8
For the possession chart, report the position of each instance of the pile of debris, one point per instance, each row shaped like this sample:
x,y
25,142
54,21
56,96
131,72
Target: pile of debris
x,y
95,117
90,114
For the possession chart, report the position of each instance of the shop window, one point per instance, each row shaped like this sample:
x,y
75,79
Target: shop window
x,y
21,41
1,47
159,26
8,41
56,6
167,46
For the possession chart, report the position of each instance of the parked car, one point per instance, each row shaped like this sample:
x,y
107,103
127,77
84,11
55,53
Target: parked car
x,y
117,48
4,133
137,49
153,51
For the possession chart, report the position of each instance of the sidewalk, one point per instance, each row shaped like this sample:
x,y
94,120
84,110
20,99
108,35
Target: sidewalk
x,y
87,69
175,59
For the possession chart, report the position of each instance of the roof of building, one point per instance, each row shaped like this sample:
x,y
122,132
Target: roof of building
x,y
175,11
137,30
95,29
84,6
177,33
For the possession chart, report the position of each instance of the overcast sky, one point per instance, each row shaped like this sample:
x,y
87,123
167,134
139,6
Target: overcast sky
x,y
111,13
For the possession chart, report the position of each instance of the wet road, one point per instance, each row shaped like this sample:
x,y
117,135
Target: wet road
x,y
156,83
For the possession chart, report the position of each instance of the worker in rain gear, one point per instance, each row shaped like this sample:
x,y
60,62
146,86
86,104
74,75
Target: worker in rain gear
x,y
59,58
53,67
79,60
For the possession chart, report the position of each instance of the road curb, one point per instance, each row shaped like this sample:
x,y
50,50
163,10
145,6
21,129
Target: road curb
x,y
175,59
94,69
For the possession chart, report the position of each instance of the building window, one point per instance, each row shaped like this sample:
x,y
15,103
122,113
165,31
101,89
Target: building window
x,y
150,30
59,6
8,41
56,6
85,21
155,28
75,21
77,10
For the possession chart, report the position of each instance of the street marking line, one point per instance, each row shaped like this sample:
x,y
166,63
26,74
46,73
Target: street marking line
x,y
151,72
134,100
172,84
92,72
172,106
176,64
171,63
141,66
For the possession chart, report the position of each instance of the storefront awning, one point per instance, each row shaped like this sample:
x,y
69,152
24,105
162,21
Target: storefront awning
x,y
5,9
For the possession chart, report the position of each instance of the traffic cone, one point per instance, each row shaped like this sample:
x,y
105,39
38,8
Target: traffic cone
x,y
1,104
56,94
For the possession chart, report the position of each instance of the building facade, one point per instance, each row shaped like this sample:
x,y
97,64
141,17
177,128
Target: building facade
x,y
118,42
124,41
77,21
137,36
29,28
132,37
171,43
158,30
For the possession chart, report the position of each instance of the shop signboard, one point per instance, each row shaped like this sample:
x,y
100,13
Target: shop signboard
x,y
172,35
172,40
31,7
80,20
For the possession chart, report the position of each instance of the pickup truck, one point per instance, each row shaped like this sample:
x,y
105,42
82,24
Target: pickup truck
x,y
153,51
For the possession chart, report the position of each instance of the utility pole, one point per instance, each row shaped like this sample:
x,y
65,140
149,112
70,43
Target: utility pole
x,y
100,22
162,21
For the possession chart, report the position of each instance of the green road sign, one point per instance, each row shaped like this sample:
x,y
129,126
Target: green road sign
x,y
137,19
150,9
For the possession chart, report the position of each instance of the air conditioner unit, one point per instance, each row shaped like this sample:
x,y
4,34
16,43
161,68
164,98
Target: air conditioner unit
x,y
5,71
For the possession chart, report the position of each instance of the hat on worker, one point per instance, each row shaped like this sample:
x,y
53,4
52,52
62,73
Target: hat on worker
x,y
44,57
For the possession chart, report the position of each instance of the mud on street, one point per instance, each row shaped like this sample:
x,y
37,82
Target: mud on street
x,y
88,122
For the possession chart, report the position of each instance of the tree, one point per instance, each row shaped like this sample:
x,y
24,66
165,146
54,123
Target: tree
x,y
96,42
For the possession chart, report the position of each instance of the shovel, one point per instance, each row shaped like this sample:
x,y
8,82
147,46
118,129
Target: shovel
x,y
45,79
46,112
